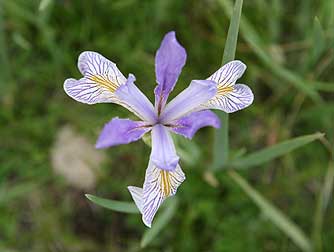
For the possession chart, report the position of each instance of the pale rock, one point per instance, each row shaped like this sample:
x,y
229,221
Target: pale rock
x,y
76,159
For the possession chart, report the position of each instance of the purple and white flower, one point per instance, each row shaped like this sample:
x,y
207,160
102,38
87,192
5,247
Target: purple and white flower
x,y
102,82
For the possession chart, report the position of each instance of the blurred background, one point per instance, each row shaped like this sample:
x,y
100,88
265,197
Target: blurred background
x,y
47,156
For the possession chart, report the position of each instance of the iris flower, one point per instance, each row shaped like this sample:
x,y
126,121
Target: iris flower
x,y
102,82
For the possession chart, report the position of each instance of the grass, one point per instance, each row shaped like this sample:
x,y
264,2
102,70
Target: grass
x,y
288,49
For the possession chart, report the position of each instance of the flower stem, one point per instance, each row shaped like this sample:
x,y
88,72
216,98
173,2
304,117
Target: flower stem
x,y
221,141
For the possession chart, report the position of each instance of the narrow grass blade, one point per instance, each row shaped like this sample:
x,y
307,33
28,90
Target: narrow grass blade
x,y
274,151
274,214
119,206
232,34
221,144
319,41
324,86
160,222
255,42
323,201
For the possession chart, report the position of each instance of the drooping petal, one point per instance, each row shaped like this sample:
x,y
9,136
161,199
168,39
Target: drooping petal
x,y
121,131
169,61
198,92
133,99
159,185
137,196
240,97
188,125
101,80
230,97
163,153
227,75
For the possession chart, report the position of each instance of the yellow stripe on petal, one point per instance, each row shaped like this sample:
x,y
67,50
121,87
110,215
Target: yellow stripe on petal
x,y
159,184
230,97
165,183
104,82
100,81
222,90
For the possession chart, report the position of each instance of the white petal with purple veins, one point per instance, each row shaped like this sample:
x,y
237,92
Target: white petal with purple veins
x,y
159,185
101,79
137,196
227,75
240,97
103,82
230,97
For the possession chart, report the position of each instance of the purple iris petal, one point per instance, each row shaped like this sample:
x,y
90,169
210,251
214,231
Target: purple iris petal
x,y
198,92
163,153
188,125
133,98
169,60
121,131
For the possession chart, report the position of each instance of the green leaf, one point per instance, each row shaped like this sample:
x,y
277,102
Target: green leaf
x,y
319,41
324,86
160,222
255,42
232,34
322,204
220,144
274,214
274,151
119,206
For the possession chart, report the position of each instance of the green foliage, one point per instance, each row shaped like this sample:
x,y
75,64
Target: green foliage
x,y
160,221
274,151
277,217
119,206
221,142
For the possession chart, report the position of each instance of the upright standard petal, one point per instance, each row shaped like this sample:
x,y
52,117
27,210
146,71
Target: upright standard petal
x,y
121,131
163,153
134,100
188,125
159,185
101,79
169,60
198,92
230,97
